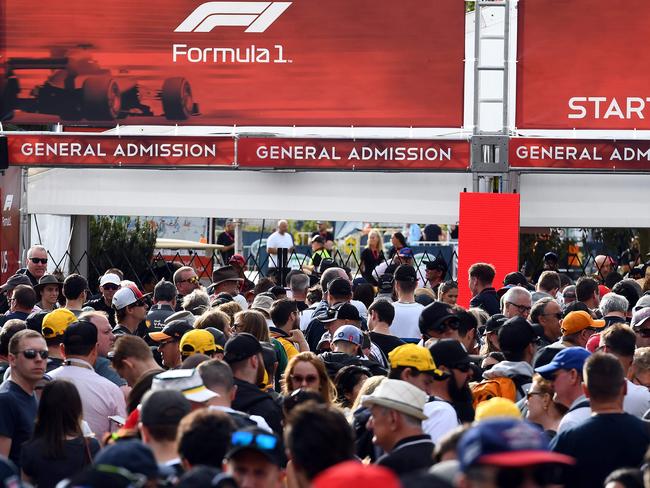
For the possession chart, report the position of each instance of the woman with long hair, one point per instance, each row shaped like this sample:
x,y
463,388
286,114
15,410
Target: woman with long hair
x,y
348,382
254,323
372,256
399,242
448,292
58,448
306,370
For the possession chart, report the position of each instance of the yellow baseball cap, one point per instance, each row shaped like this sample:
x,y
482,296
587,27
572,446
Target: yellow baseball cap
x,y
580,320
197,341
497,407
413,356
56,322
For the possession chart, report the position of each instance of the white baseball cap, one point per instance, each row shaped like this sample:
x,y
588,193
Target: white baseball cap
x,y
187,381
109,278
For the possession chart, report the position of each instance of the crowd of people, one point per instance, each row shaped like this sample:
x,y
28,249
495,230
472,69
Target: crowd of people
x,y
327,380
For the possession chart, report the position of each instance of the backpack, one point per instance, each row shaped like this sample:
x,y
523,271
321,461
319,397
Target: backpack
x,y
501,386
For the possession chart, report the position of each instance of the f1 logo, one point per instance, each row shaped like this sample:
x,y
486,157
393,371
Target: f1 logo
x,y
257,16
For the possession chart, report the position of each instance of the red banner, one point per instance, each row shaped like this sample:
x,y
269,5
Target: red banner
x,y
579,154
89,150
581,64
10,193
307,62
366,154
488,233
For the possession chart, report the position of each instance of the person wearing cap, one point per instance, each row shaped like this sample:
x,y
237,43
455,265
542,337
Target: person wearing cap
x,y
565,374
324,232
335,317
641,326
21,304
101,399
197,341
338,291
437,321
35,264
255,459
436,271
620,341
238,262
243,353
610,439
131,455
227,280
164,305
491,334
48,289
54,325
227,240
7,289
355,474
517,339
18,404
109,283
75,289
160,413
481,276
318,251
397,414
188,382
168,339
509,452
346,350
407,310
130,310
451,358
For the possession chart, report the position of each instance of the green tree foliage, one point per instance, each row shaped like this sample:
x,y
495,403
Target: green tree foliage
x,y
114,245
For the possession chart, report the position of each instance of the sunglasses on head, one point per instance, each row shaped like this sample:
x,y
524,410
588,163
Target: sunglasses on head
x,y
265,442
31,353
38,260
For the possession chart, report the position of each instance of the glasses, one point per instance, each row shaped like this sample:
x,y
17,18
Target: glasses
x,y
265,442
547,474
557,315
110,286
138,303
447,324
521,308
31,353
309,379
38,260
193,280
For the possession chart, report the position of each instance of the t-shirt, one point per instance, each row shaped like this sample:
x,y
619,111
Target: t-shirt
x,y
637,400
385,342
405,324
47,472
157,315
17,415
100,305
226,239
442,419
601,444
278,241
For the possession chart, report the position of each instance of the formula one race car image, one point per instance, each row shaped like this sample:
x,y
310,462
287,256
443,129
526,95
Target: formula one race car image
x,y
78,88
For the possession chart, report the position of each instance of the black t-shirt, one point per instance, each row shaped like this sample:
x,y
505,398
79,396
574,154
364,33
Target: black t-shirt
x,y
600,445
13,315
410,454
370,261
100,305
46,472
156,316
17,415
226,239
53,363
385,342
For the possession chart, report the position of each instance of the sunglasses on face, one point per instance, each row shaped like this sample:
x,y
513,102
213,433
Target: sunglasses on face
x,y
194,280
32,353
110,286
309,379
264,442
448,324
541,475
38,260
138,303
521,308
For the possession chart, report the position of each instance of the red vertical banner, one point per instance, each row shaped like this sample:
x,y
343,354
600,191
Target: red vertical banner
x,y
10,192
488,233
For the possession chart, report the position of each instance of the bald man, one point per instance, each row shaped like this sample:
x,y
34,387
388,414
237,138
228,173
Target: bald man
x,y
280,239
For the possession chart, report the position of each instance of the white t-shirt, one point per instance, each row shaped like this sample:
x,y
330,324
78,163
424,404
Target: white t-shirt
x,y
278,241
637,400
405,323
305,317
442,419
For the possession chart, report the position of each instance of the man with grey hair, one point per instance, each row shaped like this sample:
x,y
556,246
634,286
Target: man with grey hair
x,y
280,239
197,302
546,315
35,265
517,301
639,372
614,308
299,285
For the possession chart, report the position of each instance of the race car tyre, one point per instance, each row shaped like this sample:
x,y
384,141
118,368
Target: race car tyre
x,y
177,98
101,98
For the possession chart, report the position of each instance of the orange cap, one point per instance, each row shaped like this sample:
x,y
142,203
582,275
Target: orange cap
x,y
580,320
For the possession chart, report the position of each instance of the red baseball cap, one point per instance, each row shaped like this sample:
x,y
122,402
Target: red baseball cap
x,y
353,474
237,258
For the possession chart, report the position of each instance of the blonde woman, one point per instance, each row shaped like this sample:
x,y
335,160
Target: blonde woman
x,y
542,410
372,256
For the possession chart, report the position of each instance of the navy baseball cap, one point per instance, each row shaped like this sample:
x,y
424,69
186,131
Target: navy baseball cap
x,y
508,443
569,358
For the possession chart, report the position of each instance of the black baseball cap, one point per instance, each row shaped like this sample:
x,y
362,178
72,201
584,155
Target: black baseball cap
x,y
258,440
436,263
343,311
405,273
449,353
339,287
495,322
163,407
515,334
173,330
434,315
81,333
386,283
240,347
